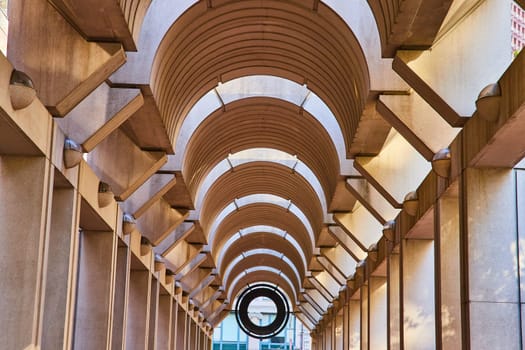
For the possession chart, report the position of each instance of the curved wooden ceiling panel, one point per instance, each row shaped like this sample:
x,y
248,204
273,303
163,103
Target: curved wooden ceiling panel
x,y
264,214
262,276
261,123
261,240
262,178
284,38
263,260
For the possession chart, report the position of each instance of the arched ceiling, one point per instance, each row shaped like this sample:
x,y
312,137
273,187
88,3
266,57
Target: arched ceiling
x,y
263,274
322,80
261,123
269,157
263,257
261,240
262,177
265,103
264,214
285,39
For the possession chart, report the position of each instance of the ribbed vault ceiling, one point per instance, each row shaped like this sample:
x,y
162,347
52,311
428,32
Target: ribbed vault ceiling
x,y
260,240
264,214
261,123
285,39
262,177
323,71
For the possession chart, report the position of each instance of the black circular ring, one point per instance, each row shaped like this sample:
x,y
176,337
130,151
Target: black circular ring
x,y
244,321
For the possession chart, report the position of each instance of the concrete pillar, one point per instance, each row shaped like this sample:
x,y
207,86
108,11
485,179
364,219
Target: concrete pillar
x,y
354,317
24,189
339,330
328,336
93,300
395,328
346,326
164,316
377,313
122,266
520,190
138,302
61,256
153,311
174,325
181,329
448,273
190,333
364,317
491,290
418,294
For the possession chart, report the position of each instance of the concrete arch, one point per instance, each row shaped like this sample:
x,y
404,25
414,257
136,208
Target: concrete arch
x,y
262,257
259,155
263,274
260,86
260,122
268,214
286,47
258,237
265,201
257,178
261,242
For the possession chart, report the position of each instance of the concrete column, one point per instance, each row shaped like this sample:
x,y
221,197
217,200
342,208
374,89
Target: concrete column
x,y
138,302
190,334
153,311
174,325
418,294
346,327
394,302
61,256
520,190
364,317
93,301
377,313
354,326
181,329
24,189
328,336
491,292
448,275
339,330
122,266
164,316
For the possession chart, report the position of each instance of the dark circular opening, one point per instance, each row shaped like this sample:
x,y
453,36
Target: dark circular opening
x,y
243,315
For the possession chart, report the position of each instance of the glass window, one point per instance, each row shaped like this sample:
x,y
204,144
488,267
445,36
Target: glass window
x,y
229,329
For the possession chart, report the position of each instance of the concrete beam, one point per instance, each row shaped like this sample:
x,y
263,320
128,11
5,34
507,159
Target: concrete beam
x,y
46,44
99,114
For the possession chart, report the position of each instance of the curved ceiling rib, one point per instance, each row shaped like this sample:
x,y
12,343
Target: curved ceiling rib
x,y
261,123
262,86
263,274
216,236
263,257
357,15
262,177
267,214
258,237
316,53
252,155
270,37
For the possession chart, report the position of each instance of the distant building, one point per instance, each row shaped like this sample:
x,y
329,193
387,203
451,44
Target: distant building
x,y
517,28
